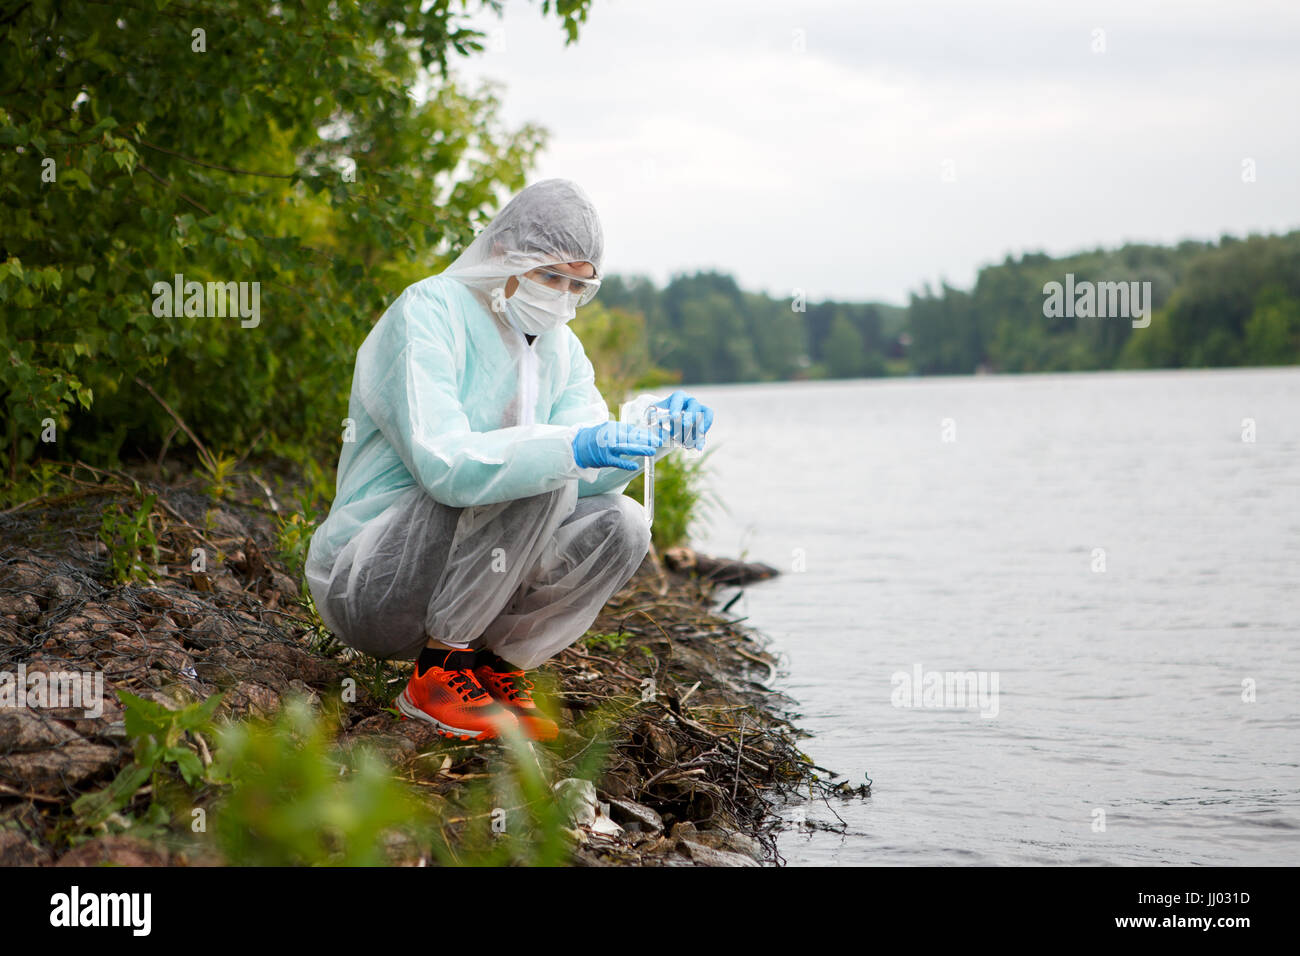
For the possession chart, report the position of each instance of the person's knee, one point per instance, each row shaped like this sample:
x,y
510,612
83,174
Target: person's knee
x,y
544,511
625,521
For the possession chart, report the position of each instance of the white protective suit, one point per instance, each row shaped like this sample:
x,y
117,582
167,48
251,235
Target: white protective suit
x,y
460,513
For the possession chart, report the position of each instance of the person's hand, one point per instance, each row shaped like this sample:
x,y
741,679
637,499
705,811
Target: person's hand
x,y
602,446
688,419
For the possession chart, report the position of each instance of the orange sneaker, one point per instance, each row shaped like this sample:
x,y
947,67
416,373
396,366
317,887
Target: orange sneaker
x,y
508,685
455,703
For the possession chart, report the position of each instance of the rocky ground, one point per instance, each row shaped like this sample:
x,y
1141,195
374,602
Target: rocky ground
x,y
700,747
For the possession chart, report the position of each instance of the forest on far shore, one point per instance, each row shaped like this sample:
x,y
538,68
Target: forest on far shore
x,y
1226,303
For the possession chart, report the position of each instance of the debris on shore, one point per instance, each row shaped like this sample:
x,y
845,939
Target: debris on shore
x,y
700,748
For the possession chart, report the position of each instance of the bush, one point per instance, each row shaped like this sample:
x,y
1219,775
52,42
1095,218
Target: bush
x,y
680,497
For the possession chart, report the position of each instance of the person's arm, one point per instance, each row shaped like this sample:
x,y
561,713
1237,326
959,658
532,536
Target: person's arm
x,y
580,403
406,379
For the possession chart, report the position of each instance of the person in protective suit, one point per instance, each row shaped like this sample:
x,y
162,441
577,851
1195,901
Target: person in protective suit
x,y
479,524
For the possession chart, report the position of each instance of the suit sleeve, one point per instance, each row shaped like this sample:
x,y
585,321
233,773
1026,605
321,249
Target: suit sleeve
x,y
580,402
407,372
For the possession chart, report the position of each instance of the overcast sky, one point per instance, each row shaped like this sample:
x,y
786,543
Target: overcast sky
x,y
806,145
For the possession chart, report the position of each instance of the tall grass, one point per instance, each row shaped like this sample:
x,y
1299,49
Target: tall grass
x,y
285,792
680,498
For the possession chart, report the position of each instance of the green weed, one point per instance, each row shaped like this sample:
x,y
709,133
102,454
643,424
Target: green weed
x,y
680,497
130,539
159,737
295,798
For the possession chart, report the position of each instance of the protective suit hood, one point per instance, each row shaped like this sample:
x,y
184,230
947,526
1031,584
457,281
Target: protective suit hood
x,y
546,223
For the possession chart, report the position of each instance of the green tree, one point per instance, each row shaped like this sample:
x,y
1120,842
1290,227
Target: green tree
x,y
321,150
1273,330
846,356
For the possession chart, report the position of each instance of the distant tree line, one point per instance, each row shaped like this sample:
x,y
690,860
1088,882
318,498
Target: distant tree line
x,y
1234,302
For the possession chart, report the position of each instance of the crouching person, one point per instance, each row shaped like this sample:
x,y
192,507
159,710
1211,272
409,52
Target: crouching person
x,y
479,524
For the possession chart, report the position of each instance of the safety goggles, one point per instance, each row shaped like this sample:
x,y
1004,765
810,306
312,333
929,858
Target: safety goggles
x,y
584,289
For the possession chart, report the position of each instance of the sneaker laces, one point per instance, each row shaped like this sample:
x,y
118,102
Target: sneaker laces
x,y
515,684
466,684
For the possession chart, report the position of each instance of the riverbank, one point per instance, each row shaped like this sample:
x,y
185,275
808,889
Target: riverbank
x,y
699,748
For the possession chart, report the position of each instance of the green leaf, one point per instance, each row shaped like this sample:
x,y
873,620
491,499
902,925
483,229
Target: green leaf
x,y
188,762
143,717
96,807
76,177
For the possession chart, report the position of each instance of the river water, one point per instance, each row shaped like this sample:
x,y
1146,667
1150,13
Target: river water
x,y
1116,554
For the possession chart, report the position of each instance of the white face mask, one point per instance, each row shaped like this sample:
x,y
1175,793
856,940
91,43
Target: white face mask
x,y
536,308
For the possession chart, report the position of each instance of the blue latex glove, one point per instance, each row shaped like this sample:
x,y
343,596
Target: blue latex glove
x,y
688,419
602,446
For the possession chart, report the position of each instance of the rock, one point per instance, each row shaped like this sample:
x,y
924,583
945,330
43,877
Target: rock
x,y
101,728
660,743
185,613
702,855
156,598
170,697
161,632
740,843
22,576
114,851
74,622
284,584
165,652
212,672
96,618
17,850
23,729
224,667
247,696
298,663
80,690
224,582
22,607
629,811
614,784
298,687
729,840
227,525
683,829
295,657
210,631
51,772
60,587
129,654
393,748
